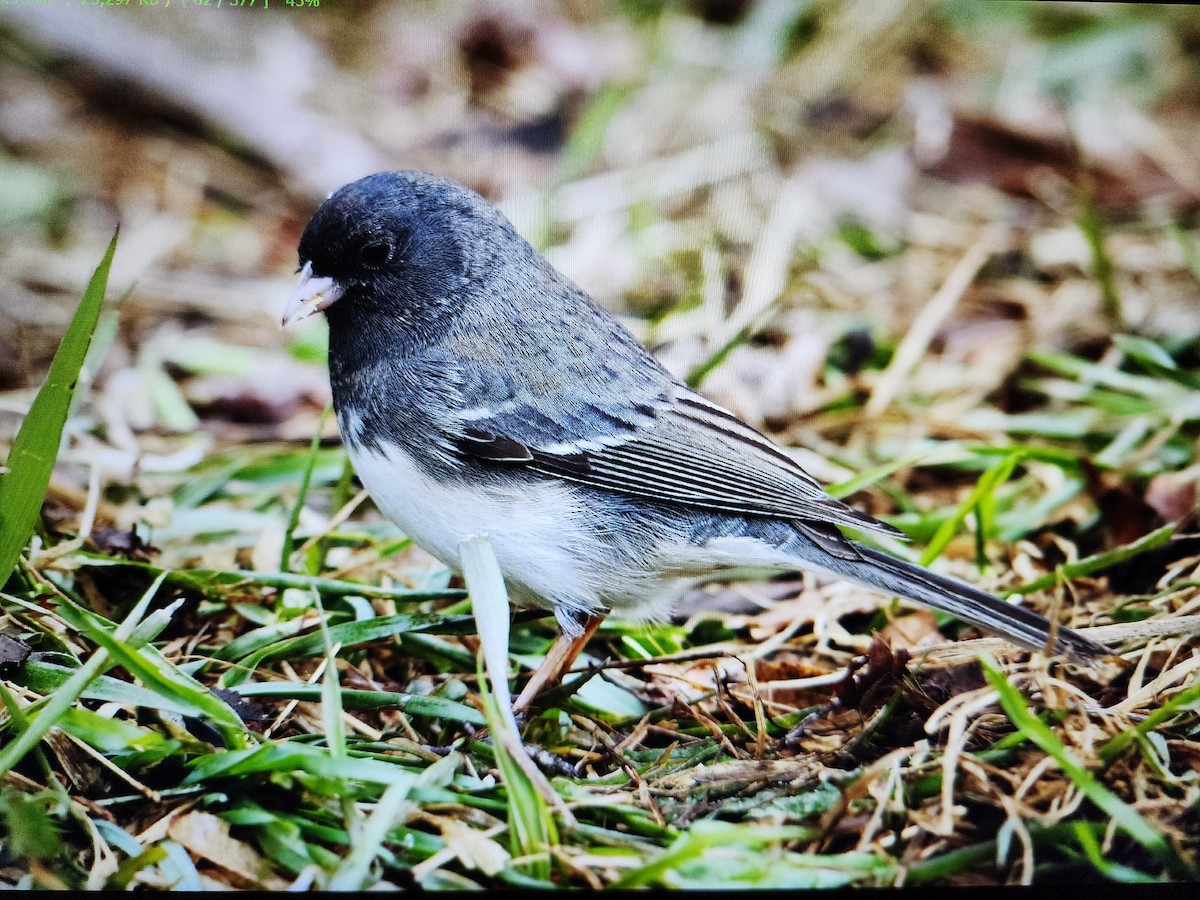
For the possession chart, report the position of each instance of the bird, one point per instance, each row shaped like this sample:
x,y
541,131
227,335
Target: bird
x,y
478,390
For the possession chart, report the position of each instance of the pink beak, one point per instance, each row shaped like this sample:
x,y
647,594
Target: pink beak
x,y
311,296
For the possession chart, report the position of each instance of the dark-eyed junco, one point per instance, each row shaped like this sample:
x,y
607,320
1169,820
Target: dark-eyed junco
x,y
480,391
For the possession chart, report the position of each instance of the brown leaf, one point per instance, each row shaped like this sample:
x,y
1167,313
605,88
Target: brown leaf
x,y
1172,495
929,688
13,652
206,836
871,677
276,388
246,711
125,543
720,12
770,672
494,47
1123,509
1019,162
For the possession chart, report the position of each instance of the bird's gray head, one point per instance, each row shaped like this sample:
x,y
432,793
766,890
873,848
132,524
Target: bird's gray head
x,y
393,251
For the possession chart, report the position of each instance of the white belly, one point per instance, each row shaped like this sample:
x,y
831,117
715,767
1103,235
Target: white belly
x,y
541,535
557,550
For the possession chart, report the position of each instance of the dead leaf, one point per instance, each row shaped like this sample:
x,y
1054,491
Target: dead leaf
x,y
475,849
122,542
1172,494
1026,164
871,677
13,652
273,390
246,711
207,837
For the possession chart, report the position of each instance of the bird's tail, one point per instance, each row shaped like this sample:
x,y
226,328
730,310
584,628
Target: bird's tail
x,y
1015,623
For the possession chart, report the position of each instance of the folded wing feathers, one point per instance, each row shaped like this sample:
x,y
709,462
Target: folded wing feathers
x,y
700,454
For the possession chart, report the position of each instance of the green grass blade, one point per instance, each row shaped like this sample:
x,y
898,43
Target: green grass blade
x,y
47,678
1191,256
867,477
963,859
410,704
391,810
345,635
1155,359
1099,561
156,672
530,826
331,696
704,835
289,541
1110,750
212,581
290,756
1091,223
705,367
1095,855
35,448
1095,375
64,698
354,872
995,476
586,141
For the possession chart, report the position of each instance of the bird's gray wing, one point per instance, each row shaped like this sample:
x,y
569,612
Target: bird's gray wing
x,y
650,438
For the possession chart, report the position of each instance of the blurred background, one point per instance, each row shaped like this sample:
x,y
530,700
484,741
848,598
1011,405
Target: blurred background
x,y
770,192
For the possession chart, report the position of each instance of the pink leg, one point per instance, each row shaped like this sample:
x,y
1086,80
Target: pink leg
x,y
560,658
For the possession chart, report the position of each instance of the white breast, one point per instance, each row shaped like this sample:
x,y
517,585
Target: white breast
x,y
542,534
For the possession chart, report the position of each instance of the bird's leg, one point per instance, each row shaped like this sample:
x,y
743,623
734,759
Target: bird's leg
x,y
560,658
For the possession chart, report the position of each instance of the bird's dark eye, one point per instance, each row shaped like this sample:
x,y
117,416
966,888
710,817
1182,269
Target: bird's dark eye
x,y
375,254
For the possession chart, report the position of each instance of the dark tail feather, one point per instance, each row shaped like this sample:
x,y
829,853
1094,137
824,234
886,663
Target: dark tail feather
x,y
1015,623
